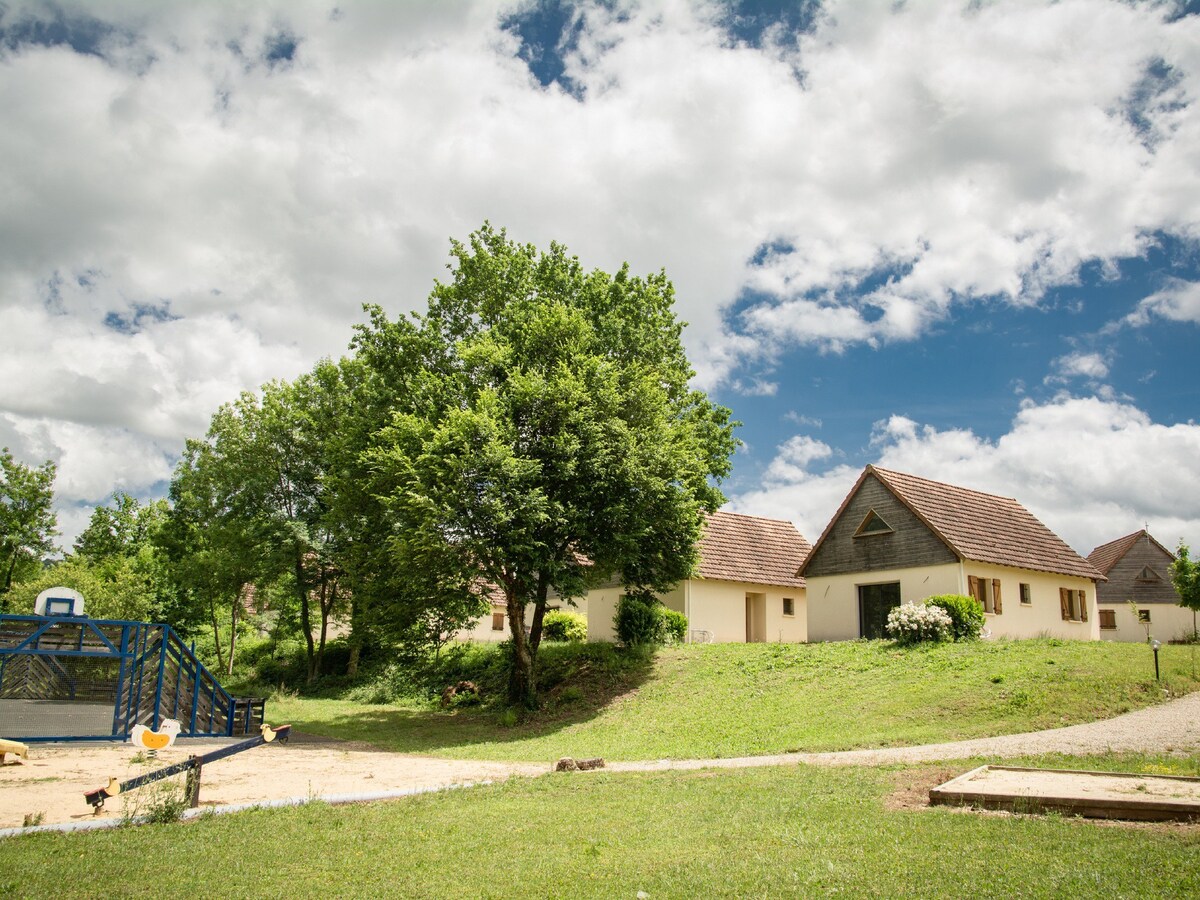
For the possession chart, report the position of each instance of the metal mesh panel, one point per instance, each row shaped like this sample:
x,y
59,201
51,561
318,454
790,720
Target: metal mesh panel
x,y
56,696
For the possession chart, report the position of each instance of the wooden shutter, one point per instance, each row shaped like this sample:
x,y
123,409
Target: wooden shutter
x,y
1064,598
1083,606
996,596
973,589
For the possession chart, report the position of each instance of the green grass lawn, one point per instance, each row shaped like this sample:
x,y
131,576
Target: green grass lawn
x,y
783,831
736,699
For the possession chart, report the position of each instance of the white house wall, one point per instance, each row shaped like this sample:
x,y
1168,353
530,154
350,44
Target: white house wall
x,y
715,607
1168,622
833,600
1043,615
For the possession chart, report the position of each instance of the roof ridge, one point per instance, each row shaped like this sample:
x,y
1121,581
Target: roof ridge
x,y
741,515
945,484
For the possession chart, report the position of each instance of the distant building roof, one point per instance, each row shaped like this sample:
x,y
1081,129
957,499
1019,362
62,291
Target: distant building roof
x,y
1108,555
736,547
980,527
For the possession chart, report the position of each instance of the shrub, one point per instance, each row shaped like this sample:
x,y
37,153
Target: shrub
x,y
966,615
560,625
674,626
912,624
642,619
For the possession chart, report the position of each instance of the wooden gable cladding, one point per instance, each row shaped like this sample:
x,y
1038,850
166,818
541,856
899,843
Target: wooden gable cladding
x,y
1124,561
844,548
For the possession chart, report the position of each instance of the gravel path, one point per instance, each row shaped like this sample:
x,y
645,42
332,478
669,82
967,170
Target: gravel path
x,y
1172,727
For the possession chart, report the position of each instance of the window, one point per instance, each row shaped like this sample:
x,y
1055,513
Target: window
x,y
789,607
1026,595
1074,605
1144,616
872,525
1108,619
497,621
986,593
1148,574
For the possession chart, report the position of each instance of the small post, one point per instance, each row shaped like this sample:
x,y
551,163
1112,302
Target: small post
x,y
192,785
1154,645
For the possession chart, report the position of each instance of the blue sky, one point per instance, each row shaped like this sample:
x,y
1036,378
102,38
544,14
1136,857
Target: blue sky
x,y
958,240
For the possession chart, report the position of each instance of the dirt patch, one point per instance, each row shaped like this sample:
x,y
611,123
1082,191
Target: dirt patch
x,y
53,780
913,786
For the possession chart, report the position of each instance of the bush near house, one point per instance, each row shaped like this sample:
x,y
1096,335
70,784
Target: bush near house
x,y
642,619
966,615
913,624
560,625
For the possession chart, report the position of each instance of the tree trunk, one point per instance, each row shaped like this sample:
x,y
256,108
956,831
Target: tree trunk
x,y
8,577
539,613
324,598
522,690
233,619
306,619
356,636
212,609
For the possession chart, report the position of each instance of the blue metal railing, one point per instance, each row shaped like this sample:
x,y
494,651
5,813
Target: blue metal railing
x,y
147,669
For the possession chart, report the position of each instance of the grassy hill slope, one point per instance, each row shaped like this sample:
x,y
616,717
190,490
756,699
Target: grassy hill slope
x,y
735,699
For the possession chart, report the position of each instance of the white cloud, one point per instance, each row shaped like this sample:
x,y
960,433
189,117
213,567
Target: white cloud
x,y
1091,469
227,216
1079,364
1178,302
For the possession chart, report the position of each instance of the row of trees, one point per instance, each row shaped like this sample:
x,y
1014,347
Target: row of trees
x,y
530,432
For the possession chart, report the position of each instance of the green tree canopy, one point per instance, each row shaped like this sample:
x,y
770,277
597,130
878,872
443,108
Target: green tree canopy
x,y
27,519
1185,575
546,436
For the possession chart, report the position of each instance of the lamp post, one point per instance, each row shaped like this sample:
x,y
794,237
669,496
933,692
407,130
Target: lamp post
x,y
1154,645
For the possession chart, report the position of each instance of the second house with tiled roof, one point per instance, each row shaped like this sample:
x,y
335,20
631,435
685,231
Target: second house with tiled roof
x,y
745,588
1139,602
899,538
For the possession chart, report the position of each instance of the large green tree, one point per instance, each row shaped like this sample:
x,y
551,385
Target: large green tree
x,y
1185,575
27,519
547,436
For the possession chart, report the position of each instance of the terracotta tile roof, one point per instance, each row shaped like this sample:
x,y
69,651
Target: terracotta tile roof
x,y
986,527
1108,555
1105,556
752,549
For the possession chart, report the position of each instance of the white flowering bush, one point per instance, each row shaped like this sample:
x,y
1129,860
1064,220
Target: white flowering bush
x,y
912,624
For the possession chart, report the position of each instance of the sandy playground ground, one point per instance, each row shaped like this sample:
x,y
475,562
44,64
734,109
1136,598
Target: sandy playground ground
x,y
53,780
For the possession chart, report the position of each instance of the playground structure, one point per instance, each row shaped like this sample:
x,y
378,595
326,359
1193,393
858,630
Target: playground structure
x,y
193,765
66,677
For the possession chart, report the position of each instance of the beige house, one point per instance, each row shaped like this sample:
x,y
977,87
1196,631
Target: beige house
x,y
1138,569
493,625
745,589
898,539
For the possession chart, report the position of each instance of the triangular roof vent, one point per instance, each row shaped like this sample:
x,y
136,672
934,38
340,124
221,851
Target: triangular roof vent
x,y
873,524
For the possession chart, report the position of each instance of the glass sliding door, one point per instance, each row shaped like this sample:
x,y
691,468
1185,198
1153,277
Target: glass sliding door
x,y
875,601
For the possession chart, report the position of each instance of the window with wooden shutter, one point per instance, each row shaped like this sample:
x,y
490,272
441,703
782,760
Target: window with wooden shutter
x,y
973,588
1108,619
1064,598
996,605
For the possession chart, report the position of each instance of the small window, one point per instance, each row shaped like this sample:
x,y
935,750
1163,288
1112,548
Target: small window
x,y
1108,619
873,524
1148,574
1144,616
1074,605
789,607
1026,595
987,593
497,621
